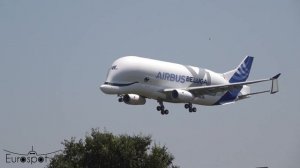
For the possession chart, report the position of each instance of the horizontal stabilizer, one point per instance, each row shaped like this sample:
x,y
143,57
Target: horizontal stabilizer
x,y
254,93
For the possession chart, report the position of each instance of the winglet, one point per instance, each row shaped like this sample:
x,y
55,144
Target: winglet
x,y
274,87
276,76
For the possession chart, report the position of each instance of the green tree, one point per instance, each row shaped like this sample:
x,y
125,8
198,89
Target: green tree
x,y
105,150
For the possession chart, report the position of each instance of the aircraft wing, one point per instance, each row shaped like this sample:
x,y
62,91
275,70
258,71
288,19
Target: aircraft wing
x,y
213,89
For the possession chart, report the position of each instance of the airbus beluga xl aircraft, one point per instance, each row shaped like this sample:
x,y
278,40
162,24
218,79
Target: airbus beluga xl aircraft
x,y
134,79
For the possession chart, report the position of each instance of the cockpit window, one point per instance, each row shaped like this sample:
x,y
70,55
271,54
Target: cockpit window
x,y
114,67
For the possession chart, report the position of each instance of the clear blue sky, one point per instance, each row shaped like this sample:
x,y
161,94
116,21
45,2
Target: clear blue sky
x,y
55,54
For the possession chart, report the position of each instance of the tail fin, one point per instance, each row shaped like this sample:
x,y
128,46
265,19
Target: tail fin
x,y
240,73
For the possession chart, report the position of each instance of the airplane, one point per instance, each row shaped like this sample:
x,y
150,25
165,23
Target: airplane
x,y
134,79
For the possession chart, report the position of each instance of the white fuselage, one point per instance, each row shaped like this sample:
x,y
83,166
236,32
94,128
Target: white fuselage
x,y
148,78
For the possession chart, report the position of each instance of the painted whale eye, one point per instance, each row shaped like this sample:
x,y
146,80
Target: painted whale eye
x,y
146,79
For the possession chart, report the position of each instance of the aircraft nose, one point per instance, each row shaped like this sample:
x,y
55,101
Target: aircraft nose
x,y
108,89
102,88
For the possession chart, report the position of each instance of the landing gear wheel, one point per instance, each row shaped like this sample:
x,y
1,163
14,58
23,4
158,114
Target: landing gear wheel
x,y
158,108
190,107
166,112
186,106
161,108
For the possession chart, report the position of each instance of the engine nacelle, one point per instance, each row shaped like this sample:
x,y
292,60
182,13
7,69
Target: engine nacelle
x,y
182,95
134,99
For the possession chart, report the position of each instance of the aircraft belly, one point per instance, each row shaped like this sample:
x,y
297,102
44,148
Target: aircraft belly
x,y
206,100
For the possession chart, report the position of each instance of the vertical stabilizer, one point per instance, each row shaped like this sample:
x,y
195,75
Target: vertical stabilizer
x,y
240,73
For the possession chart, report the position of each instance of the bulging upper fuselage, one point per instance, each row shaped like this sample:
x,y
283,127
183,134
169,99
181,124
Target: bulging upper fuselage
x,y
148,78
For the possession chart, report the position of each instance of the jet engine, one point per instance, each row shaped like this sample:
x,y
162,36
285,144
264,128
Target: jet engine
x,y
182,95
134,99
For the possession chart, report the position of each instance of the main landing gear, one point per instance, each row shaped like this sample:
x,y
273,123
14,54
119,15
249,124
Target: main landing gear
x,y
161,108
190,107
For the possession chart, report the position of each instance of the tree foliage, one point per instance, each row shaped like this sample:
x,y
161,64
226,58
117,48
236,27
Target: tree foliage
x,y
105,150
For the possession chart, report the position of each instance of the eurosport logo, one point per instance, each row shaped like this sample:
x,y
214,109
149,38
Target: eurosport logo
x,y
32,157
